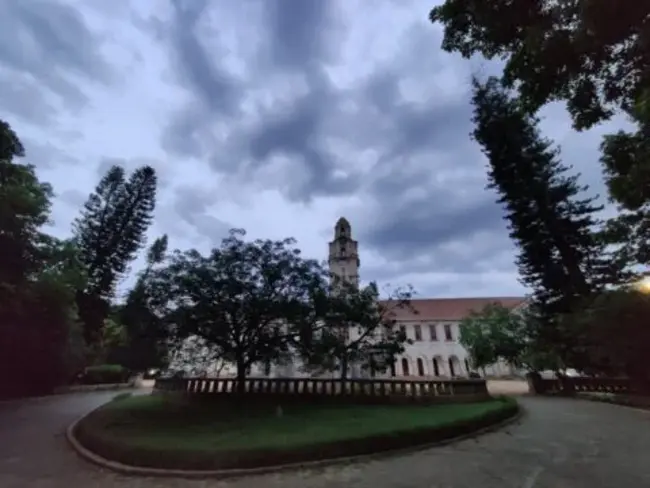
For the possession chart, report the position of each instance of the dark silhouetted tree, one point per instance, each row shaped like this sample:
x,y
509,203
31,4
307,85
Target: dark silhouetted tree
x,y
109,233
561,257
245,300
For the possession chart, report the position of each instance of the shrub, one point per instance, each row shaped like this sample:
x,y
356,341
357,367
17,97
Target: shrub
x,y
104,374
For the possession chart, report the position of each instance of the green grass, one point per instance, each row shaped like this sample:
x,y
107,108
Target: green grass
x,y
164,424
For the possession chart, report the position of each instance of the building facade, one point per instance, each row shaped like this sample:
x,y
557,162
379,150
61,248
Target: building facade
x,y
432,325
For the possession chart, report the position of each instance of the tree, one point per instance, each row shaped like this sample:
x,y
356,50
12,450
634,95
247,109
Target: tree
x,y
356,328
497,333
246,300
24,209
615,324
591,53
560,256
626,163
145,342
37,276
109,233
594,55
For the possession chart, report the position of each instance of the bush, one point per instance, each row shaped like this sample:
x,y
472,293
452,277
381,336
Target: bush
x,y
105,374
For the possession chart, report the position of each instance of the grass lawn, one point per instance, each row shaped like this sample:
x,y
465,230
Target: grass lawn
x,y
166,424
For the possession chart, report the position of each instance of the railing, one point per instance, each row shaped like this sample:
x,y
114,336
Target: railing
x,y
364,390
582,384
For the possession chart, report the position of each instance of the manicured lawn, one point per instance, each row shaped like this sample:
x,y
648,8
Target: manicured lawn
x,y
164,424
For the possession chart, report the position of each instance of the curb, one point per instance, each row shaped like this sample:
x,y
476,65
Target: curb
x,y
60,393
614,403
230,473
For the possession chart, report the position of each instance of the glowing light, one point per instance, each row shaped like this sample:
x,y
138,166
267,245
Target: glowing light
x,y
644,285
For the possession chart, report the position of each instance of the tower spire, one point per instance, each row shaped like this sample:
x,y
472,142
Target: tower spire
x,y
343,253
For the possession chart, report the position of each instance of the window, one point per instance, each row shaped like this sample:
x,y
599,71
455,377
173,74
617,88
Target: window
x,y
402,329
448,336
432,332
342,248
418,333
405,367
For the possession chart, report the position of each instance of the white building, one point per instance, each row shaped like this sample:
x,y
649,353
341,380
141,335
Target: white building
x,y
432,326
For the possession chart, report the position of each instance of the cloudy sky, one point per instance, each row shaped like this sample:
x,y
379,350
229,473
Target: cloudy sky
x,y
277,116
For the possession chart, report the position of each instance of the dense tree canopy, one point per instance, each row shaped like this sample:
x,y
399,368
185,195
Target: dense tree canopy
x,y
38,276
497,333
355,327
247,300
591,53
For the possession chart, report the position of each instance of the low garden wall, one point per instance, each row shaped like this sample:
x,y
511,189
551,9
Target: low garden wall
x,y
581,384
357,390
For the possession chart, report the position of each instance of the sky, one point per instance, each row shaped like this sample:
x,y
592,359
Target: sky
x,y
279,117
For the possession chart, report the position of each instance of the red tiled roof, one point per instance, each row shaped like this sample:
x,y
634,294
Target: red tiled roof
x,y
450,308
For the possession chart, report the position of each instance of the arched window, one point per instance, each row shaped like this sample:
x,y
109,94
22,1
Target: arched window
x,y
436,367
467,368
452,371
392,369
420,364
405,367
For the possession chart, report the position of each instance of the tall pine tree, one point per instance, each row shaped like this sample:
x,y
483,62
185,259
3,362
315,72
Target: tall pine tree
x,y
109,233
560,255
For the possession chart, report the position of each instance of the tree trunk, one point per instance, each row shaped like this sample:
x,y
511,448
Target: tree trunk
x,y
344,367
240,384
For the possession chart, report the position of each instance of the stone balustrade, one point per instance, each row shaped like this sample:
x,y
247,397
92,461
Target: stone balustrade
x,y
354,390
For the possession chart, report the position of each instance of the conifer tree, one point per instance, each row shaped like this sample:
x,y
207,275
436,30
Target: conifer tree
x,y
553,223
109,233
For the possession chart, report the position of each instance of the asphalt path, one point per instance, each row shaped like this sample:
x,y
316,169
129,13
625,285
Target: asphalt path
x,y
559,443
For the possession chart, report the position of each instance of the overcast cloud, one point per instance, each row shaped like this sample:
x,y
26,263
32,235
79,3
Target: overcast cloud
x,y
277,116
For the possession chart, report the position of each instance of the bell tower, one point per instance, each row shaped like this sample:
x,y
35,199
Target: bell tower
x,y
343,253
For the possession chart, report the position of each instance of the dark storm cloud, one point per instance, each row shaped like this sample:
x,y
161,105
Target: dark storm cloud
x,y
216,93
301,35
299,38
415,141
47,40
298,134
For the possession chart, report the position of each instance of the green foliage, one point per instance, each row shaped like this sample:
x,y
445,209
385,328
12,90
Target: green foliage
x,y
497,333
24,209
626,163
493,334
590,53
239,298
37,279
109,233
354,327
561,257
105,374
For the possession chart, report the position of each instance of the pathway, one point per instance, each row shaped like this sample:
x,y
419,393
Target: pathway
x,y
560,443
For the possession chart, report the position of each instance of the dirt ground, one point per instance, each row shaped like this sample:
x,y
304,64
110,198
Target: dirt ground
x,y
507,387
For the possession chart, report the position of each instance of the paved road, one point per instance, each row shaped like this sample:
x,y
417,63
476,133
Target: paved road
x,y
559,444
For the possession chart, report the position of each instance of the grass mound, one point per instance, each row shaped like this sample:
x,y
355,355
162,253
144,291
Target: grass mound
x,y
168,432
